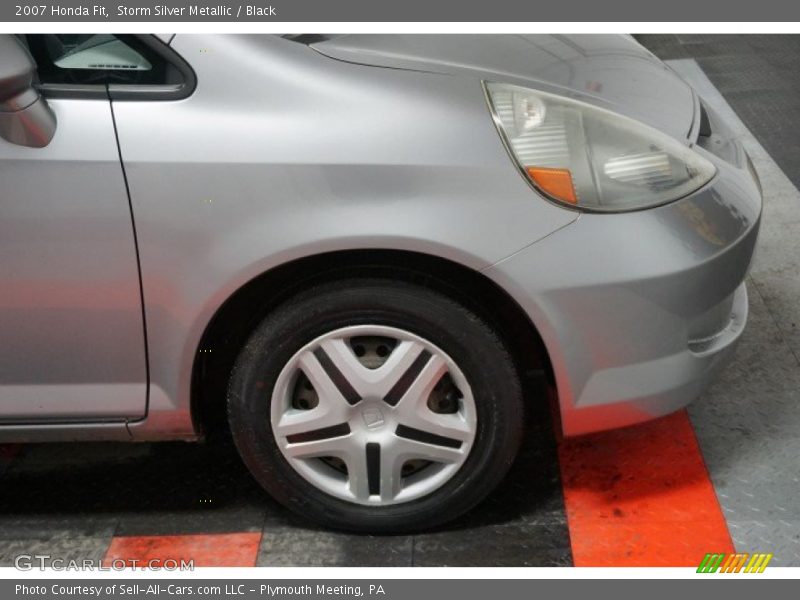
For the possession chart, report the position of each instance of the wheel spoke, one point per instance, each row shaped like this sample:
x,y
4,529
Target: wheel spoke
x,y
452,426
328,390
420,387
413,411
391,480
358,474
340,447
352,374
406,449
296,422
400,370
330,411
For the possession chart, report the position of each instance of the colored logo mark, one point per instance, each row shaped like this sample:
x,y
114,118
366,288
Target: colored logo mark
x,y
734,563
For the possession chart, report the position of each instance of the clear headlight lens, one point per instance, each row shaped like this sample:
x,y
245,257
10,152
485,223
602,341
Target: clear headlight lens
x,y
592,158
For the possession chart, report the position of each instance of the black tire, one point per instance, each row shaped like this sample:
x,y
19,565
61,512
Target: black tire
x,y
466,338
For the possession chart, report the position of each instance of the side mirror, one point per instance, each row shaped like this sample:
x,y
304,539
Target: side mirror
x,y
25,117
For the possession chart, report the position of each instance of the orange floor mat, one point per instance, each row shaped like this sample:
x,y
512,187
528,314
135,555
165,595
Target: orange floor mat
x,y
641,496
216,550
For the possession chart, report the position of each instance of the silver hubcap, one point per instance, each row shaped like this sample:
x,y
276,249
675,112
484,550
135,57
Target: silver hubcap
x,y
374,415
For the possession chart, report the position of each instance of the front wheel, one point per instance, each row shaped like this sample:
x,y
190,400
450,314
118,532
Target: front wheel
x,y
376,406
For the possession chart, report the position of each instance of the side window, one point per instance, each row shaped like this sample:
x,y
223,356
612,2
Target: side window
x,y
86,59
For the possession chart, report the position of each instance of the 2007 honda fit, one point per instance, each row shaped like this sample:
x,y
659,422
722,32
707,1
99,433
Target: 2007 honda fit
x,y
354,245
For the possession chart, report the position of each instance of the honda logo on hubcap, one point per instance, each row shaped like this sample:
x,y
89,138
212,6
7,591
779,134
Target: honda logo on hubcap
x,y
373,417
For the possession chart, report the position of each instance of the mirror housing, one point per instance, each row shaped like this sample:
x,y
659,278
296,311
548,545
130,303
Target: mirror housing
x,y
25,117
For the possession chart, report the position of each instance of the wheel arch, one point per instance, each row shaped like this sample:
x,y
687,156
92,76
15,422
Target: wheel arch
x,y
232,323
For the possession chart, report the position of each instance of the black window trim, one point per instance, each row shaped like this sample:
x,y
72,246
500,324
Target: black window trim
x,y
121,91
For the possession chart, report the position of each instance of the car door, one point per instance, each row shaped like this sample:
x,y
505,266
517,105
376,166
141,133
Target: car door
x,y
71,325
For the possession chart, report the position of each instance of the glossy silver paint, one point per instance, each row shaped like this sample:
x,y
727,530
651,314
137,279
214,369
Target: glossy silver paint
x,y
70,308
612,72
286,151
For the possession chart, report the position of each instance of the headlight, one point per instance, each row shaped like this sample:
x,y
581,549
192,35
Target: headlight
x,y
592,158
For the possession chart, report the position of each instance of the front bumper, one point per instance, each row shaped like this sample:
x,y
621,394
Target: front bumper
x,y
639,310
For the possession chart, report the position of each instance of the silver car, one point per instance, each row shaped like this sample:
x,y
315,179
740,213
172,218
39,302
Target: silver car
x,y
355,247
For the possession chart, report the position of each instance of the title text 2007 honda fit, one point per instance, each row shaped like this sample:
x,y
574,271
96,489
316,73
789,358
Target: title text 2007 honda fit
x,y
354,246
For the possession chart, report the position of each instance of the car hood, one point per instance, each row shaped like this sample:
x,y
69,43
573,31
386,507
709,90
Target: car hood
x,y
610,71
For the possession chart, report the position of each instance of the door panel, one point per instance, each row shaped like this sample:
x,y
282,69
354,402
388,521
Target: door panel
x,y
71,331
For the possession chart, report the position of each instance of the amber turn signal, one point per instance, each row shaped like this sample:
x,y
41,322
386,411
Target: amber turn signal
x,y
556,182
